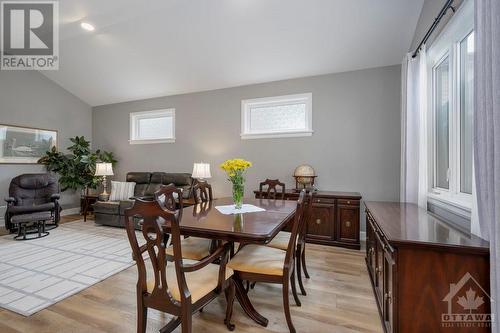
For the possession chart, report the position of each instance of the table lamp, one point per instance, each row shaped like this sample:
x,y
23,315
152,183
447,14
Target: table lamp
x,y
201,171
104,169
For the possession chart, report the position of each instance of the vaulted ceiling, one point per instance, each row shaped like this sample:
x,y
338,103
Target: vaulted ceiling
x,y
143,49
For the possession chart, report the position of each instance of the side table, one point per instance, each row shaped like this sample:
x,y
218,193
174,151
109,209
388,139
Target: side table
x,y
86,202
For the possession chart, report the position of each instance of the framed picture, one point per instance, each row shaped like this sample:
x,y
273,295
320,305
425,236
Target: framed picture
x,y
24,145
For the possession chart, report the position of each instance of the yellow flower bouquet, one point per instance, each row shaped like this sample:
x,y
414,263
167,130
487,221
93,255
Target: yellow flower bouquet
x,y
235,170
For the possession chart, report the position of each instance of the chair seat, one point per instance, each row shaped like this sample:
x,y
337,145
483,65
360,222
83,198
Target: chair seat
x,y
259,259
32,208
193,248
281,240
200,282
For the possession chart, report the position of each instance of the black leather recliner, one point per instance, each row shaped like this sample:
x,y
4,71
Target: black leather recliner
x,y
33,193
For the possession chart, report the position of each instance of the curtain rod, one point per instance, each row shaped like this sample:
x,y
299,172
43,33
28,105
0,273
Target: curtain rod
x,y
447,5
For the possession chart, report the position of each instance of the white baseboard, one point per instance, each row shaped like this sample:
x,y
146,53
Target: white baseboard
x,y
70,211
362,235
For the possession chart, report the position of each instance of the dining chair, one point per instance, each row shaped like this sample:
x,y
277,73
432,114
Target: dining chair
x,y
194,248
180,288
202,192
283,238
260,263
271,190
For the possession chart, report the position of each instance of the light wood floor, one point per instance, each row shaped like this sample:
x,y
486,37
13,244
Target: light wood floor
x,y
339,299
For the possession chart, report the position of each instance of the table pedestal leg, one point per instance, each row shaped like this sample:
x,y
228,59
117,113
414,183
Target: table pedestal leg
x,y
247,306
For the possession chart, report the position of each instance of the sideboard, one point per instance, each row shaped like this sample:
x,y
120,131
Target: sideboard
x,y
427,276
335,218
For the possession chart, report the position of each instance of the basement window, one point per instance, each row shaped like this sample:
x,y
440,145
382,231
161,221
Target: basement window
x,y
277,117
156,126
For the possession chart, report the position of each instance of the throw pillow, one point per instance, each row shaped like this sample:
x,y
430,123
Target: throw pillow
x,y
121,190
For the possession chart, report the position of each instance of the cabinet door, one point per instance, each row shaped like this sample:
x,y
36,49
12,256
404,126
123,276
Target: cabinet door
x,y
379,269
388,292
348,223
370,248
321,224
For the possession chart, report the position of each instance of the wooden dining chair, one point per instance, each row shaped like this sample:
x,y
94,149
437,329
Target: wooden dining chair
x,y
193,248
259,263
202,192
283,238
180,288
271,189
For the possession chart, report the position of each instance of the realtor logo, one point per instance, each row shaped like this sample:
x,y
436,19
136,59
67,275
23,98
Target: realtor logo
x,y
29,38
468,304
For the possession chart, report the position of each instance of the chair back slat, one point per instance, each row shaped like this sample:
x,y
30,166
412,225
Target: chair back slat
x,y
298,223
170,197
202,192
272,191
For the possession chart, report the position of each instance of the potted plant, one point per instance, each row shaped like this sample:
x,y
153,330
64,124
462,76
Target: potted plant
x,y
76,170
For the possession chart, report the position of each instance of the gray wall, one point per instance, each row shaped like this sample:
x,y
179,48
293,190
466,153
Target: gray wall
x,y
27,98
430,11
355,145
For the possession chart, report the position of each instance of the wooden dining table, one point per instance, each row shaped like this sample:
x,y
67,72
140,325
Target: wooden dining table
x,y
204,220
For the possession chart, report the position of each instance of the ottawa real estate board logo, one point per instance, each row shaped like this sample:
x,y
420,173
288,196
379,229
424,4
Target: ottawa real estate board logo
x,y
29,38
468,305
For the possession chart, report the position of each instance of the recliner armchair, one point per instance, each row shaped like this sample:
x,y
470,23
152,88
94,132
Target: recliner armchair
x,y
33,193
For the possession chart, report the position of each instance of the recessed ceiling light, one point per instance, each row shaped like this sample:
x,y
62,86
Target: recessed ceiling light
x,y
87,26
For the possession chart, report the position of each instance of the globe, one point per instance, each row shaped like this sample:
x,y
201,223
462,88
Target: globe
x,y
304,175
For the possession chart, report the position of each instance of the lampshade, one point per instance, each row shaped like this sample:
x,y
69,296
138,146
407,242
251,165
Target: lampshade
x,y
201,171
104,169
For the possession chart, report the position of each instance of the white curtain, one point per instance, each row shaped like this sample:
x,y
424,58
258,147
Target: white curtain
x,y
487,136
414,133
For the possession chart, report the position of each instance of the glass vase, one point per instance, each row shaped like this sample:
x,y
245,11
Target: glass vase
x,y
238,189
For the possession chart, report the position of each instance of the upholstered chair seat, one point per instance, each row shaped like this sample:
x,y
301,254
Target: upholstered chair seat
x,y
200,283
280,241
259,259
193,248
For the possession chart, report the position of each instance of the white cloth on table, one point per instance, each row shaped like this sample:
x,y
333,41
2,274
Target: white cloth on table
x,y
245,208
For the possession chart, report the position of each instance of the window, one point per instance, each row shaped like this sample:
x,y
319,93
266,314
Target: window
x,y
451,68
152,126
271,117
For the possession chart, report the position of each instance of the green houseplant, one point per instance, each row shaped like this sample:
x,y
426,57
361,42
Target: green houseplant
x,y
76,169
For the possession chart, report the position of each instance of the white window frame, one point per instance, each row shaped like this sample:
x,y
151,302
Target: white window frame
x,y
448,44
247,104
134,120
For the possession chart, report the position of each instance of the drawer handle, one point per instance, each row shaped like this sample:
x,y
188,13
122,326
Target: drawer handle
x,y
388,297
318,221
319,200
348,202
378,270
348,224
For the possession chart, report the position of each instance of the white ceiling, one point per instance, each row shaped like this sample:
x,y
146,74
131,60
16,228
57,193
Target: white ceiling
x,y
143,49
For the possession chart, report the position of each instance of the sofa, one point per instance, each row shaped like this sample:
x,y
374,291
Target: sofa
x,y
112,213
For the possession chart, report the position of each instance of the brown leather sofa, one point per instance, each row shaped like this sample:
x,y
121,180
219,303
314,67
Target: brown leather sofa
x,y
112,213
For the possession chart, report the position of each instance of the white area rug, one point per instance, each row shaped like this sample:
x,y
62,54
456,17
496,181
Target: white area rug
x,y
35,274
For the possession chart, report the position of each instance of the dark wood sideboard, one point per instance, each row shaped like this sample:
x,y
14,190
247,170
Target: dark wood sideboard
x,y
419,267
335,219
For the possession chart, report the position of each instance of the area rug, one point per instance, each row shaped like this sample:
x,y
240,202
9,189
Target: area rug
x,y
35,274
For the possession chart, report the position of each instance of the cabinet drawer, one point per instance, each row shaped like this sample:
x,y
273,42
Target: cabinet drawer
x,y
348,202
326,201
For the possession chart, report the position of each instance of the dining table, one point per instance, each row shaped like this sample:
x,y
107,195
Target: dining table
x,y
206,221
